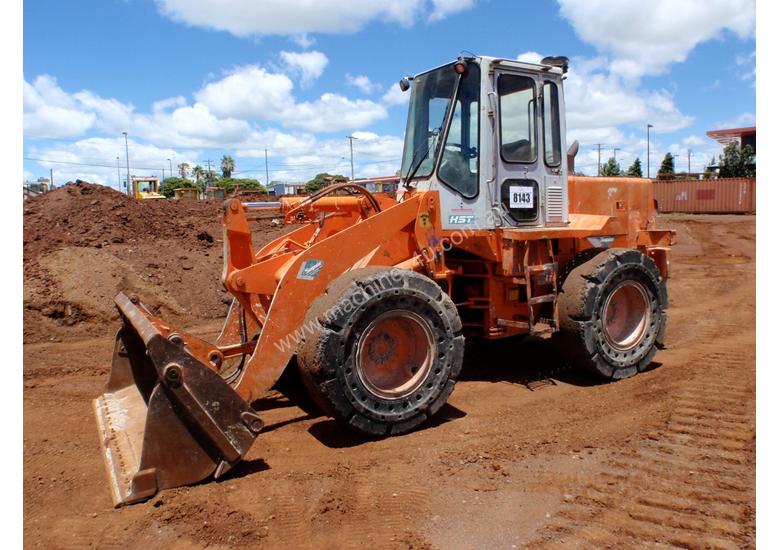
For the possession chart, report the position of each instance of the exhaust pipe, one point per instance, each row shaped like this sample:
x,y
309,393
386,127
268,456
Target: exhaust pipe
x,y
166,419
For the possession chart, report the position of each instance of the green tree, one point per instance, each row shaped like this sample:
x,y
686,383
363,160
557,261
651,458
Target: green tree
x,y
321,180
736,163
231,184
667,165
635,170
209,177
198,172
184,169
228,165
611,168
169,184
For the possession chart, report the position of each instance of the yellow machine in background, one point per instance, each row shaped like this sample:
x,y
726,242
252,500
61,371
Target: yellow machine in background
x,y
146,188
185,193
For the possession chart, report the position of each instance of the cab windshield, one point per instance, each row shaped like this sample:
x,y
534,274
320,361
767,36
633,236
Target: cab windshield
x,y
432,93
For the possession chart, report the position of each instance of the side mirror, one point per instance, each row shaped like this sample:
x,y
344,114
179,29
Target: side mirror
x,y
404,84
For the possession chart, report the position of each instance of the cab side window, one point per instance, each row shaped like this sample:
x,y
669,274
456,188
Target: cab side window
x,y
552,125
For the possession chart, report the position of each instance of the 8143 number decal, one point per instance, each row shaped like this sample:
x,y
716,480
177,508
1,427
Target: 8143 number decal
x,y
521,196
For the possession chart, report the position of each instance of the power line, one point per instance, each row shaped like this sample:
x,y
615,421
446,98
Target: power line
x,y
306,168
93,164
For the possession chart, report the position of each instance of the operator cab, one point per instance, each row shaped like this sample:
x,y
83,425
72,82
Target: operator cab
x,y
488,133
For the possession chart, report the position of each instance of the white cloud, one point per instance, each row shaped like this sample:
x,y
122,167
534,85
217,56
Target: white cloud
x,y
309,66
746,67
192,126
248,92
112,115
292,17
363,83
645,37
445,8
164,104
253,93
693,141
275,142
741,121
49,112
303,40
394,96
331,113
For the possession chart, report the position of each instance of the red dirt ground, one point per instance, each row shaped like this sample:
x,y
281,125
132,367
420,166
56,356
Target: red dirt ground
x,y
526,453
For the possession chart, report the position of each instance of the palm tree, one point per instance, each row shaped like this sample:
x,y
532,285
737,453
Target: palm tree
x,y
228,165
184,169
198,173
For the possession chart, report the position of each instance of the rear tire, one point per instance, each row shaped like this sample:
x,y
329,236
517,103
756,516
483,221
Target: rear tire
x,y
382,351
612,311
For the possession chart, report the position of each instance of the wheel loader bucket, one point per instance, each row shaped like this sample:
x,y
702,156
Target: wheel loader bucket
x,y
166,419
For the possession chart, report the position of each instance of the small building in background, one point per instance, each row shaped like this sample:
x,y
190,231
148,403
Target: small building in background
x,y
280,189
37,187
384,184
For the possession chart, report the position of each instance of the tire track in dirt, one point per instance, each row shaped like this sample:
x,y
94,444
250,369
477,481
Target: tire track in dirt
x,y
687,488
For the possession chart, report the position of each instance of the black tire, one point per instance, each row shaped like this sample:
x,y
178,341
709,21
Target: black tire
x,y
339,365
612,311
577,260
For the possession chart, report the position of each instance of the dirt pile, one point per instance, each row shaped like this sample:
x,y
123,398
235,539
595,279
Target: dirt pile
x,y
85,242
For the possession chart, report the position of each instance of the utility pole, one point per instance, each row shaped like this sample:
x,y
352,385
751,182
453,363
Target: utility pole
x,y
163,178
127,156
598,172
267,183
648,149
170,165
351,156
51,179
689,162
118,177
614,153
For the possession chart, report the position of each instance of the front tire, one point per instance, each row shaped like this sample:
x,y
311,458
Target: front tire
x,y
612,311
382,351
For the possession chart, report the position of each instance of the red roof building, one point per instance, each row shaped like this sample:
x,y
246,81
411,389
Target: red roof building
x,y
743,136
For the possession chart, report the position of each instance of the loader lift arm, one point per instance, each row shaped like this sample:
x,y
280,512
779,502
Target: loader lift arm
x,y
299,276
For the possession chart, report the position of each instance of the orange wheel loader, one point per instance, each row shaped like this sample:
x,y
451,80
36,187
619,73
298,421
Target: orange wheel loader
x,y
372,298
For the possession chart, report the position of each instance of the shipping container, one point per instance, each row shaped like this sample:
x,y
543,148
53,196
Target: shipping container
x,y
716,196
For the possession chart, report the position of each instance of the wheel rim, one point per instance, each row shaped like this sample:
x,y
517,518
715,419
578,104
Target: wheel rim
x,y
395,354
626,315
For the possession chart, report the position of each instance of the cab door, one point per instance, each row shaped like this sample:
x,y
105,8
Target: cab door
x,y
529,172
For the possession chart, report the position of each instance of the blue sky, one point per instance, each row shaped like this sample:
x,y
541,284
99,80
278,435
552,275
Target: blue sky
x,y
191,80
